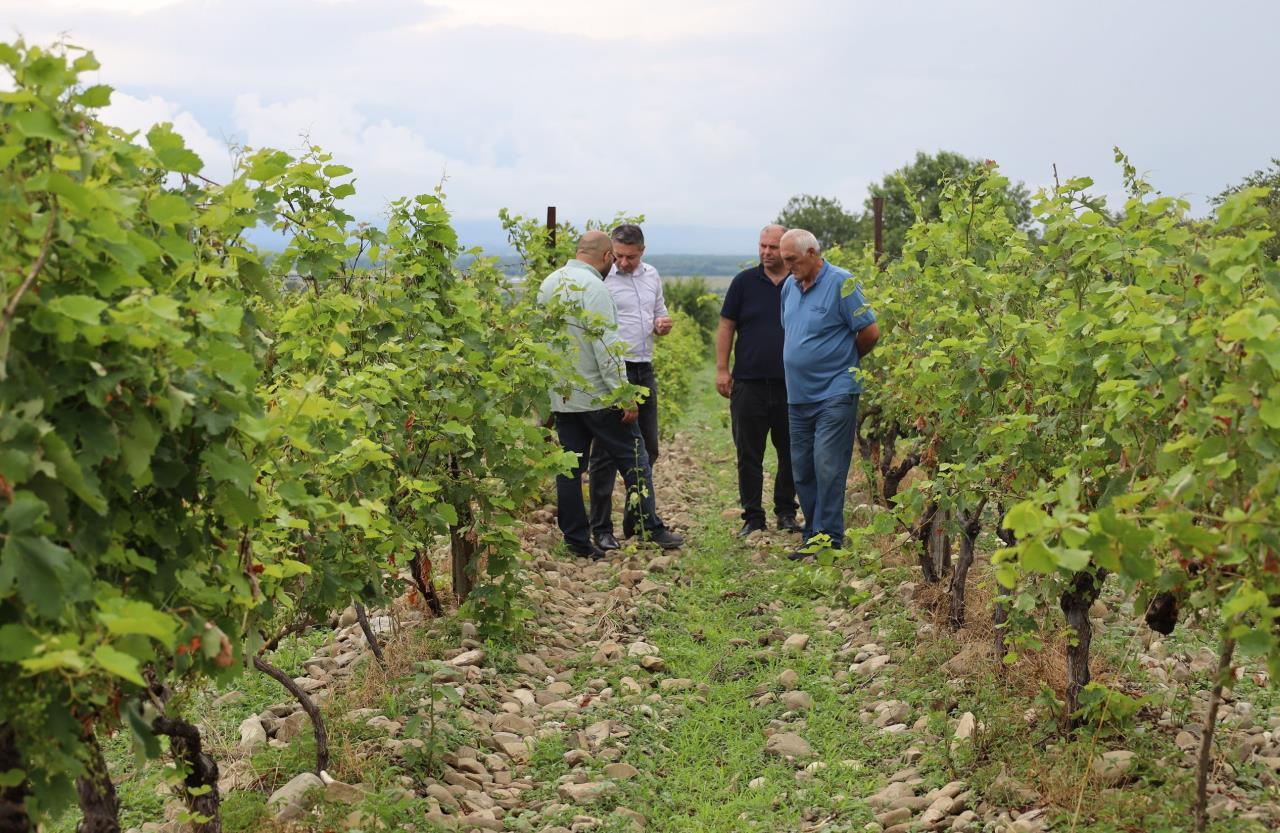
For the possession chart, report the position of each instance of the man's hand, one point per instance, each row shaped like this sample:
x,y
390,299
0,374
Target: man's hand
x,y
630,415
662,325
724,383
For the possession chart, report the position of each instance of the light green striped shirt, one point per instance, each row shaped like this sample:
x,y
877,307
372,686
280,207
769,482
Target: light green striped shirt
x,y
593,321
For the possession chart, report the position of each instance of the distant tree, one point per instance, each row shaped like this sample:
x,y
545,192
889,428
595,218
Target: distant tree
x,y
824,216
1265,178
920,183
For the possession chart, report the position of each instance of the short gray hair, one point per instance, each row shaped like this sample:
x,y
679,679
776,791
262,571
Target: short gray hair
x,y
801,240
628,234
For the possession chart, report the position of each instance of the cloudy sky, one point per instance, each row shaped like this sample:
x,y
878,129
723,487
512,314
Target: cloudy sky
x,y
704,115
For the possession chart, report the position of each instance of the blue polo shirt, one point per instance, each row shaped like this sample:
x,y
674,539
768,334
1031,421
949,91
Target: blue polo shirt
x,y
819,350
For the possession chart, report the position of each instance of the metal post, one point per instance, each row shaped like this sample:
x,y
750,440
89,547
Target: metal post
x,y
551,229
877,208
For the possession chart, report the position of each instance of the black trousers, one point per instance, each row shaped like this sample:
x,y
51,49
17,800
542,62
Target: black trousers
x,y
601,431
604,470
758,409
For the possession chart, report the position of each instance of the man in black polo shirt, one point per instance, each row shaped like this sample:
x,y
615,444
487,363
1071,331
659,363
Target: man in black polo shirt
x,y
757,389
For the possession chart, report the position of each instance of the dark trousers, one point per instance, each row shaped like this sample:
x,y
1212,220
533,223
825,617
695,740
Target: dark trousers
x,y
758,409
604,469
603,431
822,448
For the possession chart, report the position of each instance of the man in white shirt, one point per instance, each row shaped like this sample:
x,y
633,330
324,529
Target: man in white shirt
x,y
636,288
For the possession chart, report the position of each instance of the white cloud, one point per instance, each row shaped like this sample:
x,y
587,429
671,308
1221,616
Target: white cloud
x,y
702,112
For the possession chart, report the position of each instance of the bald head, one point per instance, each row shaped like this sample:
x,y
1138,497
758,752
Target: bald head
x,y
594,243
596,249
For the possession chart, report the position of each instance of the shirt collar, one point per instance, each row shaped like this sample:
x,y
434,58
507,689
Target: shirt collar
x,y
640,270
588,266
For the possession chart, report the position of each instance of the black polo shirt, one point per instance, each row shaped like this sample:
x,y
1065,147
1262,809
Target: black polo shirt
x,y
754,304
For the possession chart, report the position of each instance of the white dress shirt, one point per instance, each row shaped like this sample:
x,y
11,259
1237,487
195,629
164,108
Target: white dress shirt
x,y
639,298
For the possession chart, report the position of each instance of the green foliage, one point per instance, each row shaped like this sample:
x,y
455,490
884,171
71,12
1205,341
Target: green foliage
x,y
1269,179
1112,386
825,217
697,301
916,190
677,357
529,237
190,460
913,192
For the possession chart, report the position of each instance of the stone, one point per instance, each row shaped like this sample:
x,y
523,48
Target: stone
x,y
635,820
442,796
1113,767
1186,741
609,651
294,791
891,795
653,664
788,679
629,685
468,658
587,793
788,745
532,664
642,649
869,667
252,735
675,684
292,726
965,727
895,816
969,660
227,699
796,642
348,617
341,793
621,771
237,776
797,700
515,724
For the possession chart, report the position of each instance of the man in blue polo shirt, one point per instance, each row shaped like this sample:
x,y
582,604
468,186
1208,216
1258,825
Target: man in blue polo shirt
x,y
826,334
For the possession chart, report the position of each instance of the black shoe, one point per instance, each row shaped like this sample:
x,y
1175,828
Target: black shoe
x,y
798,555
594,552
788,523
750,527
666,539
606,542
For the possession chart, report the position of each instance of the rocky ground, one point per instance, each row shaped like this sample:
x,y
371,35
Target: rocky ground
x,y
720,688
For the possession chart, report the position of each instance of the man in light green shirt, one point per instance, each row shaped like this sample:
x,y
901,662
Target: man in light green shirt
x,y
583,419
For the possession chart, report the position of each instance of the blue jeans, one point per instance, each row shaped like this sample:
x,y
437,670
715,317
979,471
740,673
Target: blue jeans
x,y
821,450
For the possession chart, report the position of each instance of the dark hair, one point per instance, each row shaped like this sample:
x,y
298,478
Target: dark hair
x,y
628,234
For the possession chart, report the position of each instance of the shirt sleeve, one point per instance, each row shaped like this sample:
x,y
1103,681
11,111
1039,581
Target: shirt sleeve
x,y
857,312
660,304
602,311
732,306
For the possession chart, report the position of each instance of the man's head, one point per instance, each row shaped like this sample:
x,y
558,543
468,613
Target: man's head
x,y
596,249
628,247
801,254
770,246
